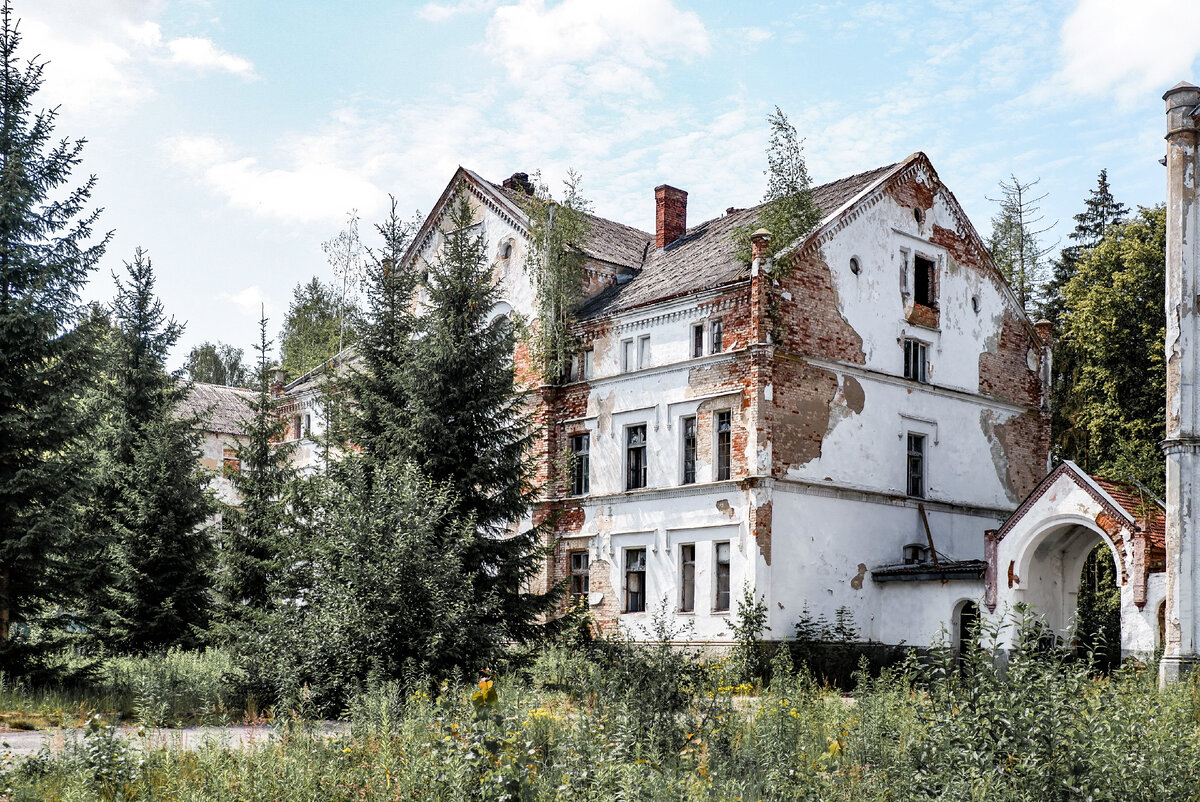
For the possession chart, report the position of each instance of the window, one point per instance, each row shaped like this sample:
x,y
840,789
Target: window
x,y
689,450
627,362
589,364
914,360
687,578
924,281
721,602
635,580
643,351
230,459
916,465
581,464
723,427
307,424
580,577
572,373
635,457
717,332
697,340
296,423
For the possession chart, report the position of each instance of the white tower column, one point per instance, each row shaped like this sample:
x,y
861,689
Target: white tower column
x,y
1181,652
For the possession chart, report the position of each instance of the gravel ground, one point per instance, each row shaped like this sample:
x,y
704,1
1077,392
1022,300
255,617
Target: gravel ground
x,y
29,742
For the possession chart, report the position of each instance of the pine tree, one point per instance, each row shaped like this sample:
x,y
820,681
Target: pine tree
x,y
151,554
255,528
45,358
1014,242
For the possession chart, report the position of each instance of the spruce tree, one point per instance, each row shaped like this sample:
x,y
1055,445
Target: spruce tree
x,y
1015,240
255,528
46,254
151,555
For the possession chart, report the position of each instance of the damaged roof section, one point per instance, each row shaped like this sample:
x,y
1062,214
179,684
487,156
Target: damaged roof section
x,y
221,408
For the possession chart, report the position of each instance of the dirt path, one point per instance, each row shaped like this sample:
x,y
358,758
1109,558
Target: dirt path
x,y
236,737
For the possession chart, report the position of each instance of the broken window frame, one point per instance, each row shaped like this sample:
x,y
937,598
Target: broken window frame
x,y
689,431
717,329
915,485
579,568
697,340
581,464
636,472
627,356
587,362
723,441
643,352
307,430
687,577
924,284
916,360
721,575
635,580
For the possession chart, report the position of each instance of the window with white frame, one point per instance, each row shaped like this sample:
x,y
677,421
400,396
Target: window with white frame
x,y
687,578
688,429
581,464
915,360
697,340
635,580
643,352
721,599
916,465
588,364
635,457
723,428
717,336
628,358
580,576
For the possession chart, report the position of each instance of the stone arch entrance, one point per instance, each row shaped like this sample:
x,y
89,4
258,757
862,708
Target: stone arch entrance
x,y
966,619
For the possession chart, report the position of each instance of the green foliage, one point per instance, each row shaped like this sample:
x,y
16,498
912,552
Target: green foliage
x,y
1014,242
45,358
319,323
373,594
216,363
175,686
254,530
1098,610
1115,328
748,627
143,564
555,264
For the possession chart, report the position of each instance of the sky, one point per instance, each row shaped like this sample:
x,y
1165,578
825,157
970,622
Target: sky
x,y
231,139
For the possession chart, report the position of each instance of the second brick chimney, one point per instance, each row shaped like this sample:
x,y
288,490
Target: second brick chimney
x,y
670,215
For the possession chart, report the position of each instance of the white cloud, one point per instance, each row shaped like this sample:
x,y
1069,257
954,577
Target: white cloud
x,y
203,54
1129,48
313,189
251,301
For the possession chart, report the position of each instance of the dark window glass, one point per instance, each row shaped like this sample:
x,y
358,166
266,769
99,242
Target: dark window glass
x,y
914,360
635,457
697,341
721,602
635,580
916,465
581,464
724,421
687,578
923,281
717,334
580,575
689,450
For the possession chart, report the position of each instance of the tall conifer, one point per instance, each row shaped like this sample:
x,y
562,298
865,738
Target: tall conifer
x,y
46,254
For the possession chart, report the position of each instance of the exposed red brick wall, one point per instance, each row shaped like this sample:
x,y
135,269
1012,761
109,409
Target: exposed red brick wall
x,y
1004,370
810,322
1025,440
800,414
913,193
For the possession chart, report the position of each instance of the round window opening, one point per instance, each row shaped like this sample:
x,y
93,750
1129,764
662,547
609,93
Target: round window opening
x,y
855,267
975,303
919,215
506,249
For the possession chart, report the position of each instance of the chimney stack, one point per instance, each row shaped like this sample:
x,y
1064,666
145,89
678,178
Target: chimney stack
x,y
519,182
759,242
1045,330
670,215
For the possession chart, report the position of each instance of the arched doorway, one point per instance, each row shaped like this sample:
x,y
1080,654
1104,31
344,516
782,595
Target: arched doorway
x,y
1098,614
966,622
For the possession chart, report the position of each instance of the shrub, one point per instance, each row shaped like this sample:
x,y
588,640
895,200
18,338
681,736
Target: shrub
x,y
175,686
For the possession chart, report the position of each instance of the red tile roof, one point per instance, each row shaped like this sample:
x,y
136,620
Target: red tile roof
x,y
1142,506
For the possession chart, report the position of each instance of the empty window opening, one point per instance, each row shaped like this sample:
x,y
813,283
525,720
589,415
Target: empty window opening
x,y
717,335
635,457
687,578
635,580
924,281
296,424
697,340
724,426
580,576
581,464
721,601
916,465
643,353
855,266
915,357
689,450
918,214
627,356
307,424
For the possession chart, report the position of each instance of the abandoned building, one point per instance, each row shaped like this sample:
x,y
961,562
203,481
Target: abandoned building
x,y
222,410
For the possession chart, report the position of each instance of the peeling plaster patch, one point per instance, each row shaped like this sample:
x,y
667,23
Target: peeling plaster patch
x,y
769,392
857,581
804,417
725,509
853,391
989,423
1013,579
764,458
602,408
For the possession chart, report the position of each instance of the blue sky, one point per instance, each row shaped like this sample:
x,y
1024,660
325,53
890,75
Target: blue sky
x,y
231,138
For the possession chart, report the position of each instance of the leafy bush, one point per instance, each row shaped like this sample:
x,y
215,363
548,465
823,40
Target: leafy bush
x,y
175,686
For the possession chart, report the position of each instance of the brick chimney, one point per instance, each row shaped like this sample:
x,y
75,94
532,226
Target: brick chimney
x,y
759,242
1045,330
519,182
670,215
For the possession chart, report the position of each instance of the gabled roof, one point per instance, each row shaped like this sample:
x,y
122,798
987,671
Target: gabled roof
x,y
221,408
1119,499
705,256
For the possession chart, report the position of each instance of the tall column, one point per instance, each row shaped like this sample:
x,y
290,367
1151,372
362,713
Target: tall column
x,y
1181,653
